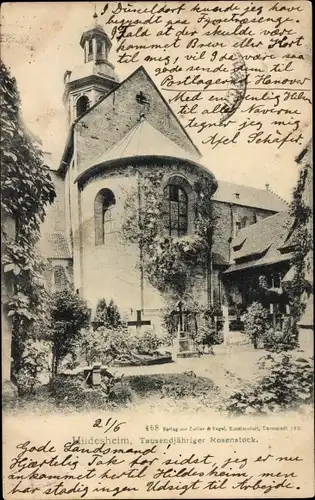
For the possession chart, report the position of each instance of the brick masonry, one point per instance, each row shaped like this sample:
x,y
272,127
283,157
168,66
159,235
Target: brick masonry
x,y
115,116
111,270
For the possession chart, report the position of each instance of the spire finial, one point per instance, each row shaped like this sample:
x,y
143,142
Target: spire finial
x,y
95,14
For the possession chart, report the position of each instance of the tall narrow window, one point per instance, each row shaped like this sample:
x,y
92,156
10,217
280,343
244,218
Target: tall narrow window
x,y
82,105
238,227
244,222
90,48
99,48
175,210
103,215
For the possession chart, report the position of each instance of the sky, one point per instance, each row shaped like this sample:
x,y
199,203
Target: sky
x,y
41,41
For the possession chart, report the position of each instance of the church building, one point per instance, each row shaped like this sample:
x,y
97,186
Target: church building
x,y
118,133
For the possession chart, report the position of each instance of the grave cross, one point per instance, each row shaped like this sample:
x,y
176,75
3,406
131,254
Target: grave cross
x,y
139,322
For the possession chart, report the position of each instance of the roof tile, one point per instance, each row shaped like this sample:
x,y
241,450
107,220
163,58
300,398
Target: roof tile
x,y
263,240
238,194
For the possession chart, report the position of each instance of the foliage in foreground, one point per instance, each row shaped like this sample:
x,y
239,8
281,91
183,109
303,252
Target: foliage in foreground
x,y
34,362
72,392
288,384
285,340
109,345
26,189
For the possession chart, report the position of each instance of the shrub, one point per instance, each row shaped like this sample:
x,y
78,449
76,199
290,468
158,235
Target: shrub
x,y
121,394
148,342
105,345
33,362
68,315
72,391
255,322
146,384
174,386
285,340
90,346
208,336
288,384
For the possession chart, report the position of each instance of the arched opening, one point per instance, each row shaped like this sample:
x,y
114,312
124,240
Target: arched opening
x,y
99,47
103,215
90,46
82,105
244,222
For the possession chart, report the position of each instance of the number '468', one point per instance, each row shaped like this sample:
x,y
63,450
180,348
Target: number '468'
x,y
152,428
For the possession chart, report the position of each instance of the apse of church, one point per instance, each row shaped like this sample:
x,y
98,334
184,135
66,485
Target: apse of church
x,y
119,134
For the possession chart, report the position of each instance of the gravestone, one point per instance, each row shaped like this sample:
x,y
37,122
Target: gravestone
x,y
96,374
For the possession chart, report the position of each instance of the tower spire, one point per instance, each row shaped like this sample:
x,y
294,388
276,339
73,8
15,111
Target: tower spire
x,y
95,16
95,77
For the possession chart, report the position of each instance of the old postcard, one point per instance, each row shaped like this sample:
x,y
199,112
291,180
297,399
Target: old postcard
x,y
157,258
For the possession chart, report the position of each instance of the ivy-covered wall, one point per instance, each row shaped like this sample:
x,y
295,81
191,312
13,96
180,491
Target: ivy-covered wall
x,y
135,245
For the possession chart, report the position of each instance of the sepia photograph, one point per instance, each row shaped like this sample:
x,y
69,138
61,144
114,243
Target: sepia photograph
x,y
157,249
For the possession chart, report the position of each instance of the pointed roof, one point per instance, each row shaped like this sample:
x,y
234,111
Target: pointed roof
x,y
144,143
145,140
69,144
95,28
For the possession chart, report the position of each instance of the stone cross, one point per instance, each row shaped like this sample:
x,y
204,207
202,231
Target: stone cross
x,y
139,322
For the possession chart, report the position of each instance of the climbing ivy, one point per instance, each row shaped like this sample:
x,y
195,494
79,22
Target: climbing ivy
x,y
169,263
26,190
302,244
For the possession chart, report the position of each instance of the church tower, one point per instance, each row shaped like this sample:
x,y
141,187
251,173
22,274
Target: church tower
x,y
93,79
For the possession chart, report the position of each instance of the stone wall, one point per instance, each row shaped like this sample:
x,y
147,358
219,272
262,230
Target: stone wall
x,y
111,270
55,214
115,116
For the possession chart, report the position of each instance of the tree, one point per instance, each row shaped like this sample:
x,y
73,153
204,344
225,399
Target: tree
x,y
26,190
68,315
107,315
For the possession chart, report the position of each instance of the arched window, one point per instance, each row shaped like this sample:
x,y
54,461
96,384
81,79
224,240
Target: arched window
x,y
82,105
244,222
99,47
175,210
103,215
60,280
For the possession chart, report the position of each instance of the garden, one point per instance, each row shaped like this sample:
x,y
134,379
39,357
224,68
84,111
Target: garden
x,y
54,337
55,369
